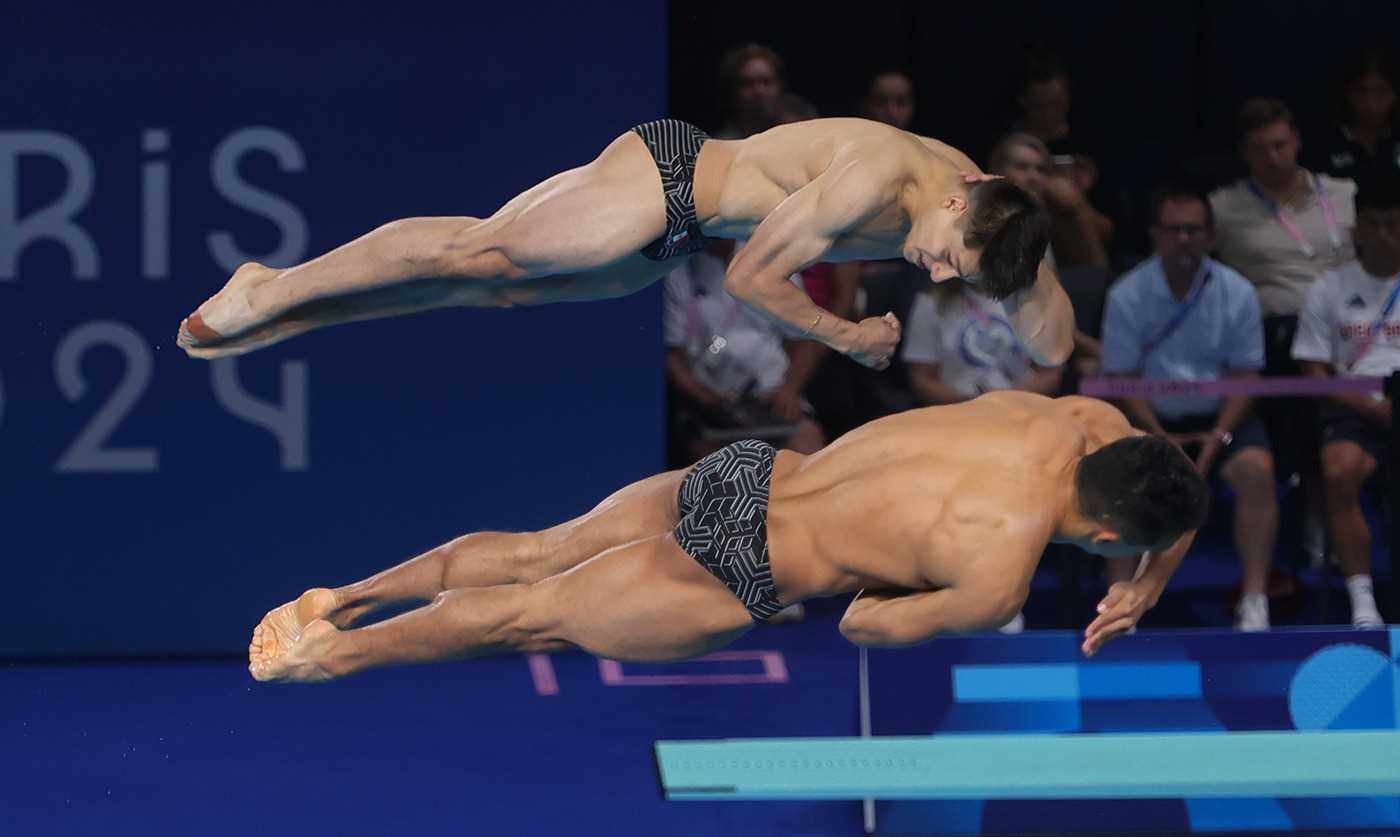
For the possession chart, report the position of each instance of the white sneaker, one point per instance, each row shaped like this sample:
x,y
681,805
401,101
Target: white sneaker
x,y
1015,626
1252,613
1366,617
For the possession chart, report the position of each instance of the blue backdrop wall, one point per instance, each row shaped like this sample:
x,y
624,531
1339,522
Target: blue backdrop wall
x,y
156,504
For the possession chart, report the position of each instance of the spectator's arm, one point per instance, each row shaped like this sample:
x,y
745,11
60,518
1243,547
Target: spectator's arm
x,y
1044,380
1236,408
1087,346
1140,411
1122,355
1364,406
927,383
684,380
1244,358
1083,236
1101,224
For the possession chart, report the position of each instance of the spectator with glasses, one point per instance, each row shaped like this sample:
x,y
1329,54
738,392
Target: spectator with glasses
x,y
1183,315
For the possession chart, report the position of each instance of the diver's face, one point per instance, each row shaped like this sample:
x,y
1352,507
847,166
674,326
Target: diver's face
x,y
935,242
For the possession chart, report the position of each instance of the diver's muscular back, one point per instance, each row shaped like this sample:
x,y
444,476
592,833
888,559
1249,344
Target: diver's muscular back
x,y
738,183
916,500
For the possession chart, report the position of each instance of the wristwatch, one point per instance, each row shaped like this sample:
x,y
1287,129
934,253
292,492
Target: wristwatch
x,y
1225,436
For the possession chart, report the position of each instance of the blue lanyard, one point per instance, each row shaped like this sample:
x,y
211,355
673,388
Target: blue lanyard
x,y
1198,290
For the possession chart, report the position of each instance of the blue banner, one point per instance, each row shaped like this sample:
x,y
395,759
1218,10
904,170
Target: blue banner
x,y
157,504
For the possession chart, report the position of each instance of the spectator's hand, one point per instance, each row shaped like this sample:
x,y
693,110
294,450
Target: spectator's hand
x,y
1382,413
876,339
1183,441
1061,192
1084,173
1210,448
1087,367
1119,611
786,403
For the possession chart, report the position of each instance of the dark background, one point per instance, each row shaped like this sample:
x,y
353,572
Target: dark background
x,y
417,429
1155,84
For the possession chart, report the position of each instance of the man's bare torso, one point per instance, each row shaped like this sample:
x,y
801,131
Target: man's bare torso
x,y
738,183
916,500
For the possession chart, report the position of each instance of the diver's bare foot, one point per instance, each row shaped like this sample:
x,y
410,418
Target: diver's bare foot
x,y
260,337
305,660
227,313
283,626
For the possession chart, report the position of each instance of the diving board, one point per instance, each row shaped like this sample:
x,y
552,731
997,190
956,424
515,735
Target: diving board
x,y
1097,766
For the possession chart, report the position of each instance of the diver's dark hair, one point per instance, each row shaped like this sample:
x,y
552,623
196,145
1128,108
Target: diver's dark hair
x,y
1011,229
1143,487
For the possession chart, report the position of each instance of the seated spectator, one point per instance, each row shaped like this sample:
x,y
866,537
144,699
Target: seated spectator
x,y
1074,229
1182,315
750,86
727,367
958,344
1347,329
1364,142
1024,160
889,98
1282,227
1045,100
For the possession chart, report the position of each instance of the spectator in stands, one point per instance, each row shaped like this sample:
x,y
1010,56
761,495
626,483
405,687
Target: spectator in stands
x,y
1182,315
1044,99
957,345
1024,160
889,98
725,363
791,107
1364,142
750,87
1348,329
1282,227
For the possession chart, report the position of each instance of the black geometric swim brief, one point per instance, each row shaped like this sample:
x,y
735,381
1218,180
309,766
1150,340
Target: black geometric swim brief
x,y
724,522
674,145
